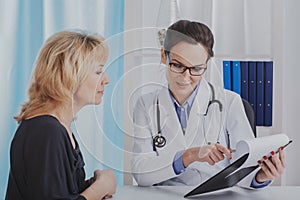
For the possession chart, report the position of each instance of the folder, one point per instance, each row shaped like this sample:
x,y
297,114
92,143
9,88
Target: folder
x,y
260,93
236,77
252,84
227,74
244,162
244,80
268,93
225,178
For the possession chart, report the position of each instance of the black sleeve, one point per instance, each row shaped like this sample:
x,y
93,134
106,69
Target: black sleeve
x,y
81,198
52,172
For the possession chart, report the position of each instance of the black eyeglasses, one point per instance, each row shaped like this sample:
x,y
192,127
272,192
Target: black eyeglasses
x,y
179,68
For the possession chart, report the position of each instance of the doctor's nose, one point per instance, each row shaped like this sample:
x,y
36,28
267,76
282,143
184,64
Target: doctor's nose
x,y
186,73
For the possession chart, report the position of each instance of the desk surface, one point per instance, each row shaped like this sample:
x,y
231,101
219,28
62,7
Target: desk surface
x,y
233,193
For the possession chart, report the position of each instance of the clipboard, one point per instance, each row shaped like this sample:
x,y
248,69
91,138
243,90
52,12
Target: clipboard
x,y
227,177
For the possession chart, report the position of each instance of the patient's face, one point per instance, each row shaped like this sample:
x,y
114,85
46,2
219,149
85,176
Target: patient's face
x,y
91,90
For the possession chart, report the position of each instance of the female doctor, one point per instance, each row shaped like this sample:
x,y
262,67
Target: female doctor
x,y
183,133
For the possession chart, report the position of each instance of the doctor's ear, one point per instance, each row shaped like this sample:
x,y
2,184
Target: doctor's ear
x,y
163,56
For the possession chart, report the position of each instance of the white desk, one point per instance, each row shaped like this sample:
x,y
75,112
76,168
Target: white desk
x,y
234,193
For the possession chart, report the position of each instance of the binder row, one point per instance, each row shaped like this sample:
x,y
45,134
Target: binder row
x,y
253,80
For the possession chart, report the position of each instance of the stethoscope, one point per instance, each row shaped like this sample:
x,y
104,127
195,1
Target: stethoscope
x,y
159,140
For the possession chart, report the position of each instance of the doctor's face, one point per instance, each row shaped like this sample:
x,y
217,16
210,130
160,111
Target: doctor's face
x,y
187,55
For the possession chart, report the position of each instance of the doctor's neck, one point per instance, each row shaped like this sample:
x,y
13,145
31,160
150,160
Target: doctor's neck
x,y
180,98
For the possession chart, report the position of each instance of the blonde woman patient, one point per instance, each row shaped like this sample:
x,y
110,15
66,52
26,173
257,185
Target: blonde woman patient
x,y
45,159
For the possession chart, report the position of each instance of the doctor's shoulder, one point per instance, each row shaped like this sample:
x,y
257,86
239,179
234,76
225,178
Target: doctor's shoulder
x,y
231,98
227,97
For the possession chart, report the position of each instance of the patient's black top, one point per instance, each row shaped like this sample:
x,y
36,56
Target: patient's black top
x,y
43,162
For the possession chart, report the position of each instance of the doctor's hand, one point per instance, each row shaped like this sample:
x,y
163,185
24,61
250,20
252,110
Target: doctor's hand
x,y
272,167
209,153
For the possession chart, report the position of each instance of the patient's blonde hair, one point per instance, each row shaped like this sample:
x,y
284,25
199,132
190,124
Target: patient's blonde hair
x,y
62,64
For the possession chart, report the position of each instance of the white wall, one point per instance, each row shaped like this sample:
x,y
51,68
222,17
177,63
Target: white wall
x,y
291,91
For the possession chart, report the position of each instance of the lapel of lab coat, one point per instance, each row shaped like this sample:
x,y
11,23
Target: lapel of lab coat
x,y
197,112
169,120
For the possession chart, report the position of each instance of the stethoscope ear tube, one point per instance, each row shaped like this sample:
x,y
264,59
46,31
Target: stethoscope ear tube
x,y
213,99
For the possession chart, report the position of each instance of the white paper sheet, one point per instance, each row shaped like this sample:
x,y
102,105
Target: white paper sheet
x,y
259,147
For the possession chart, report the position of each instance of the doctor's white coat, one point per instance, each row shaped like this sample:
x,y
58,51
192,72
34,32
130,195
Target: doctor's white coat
x,y
150,167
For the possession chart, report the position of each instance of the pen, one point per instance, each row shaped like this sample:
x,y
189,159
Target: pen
x,y
232,150
285,145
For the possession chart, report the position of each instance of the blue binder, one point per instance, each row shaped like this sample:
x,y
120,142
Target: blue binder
x,y
244,80
236,77
260,93
227,74
252,84
268,93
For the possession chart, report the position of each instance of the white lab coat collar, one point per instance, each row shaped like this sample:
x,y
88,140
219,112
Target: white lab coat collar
x,y
197,112
202,98
166,107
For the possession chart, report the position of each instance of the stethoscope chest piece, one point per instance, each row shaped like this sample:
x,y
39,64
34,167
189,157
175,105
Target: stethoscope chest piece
x,y
159,141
